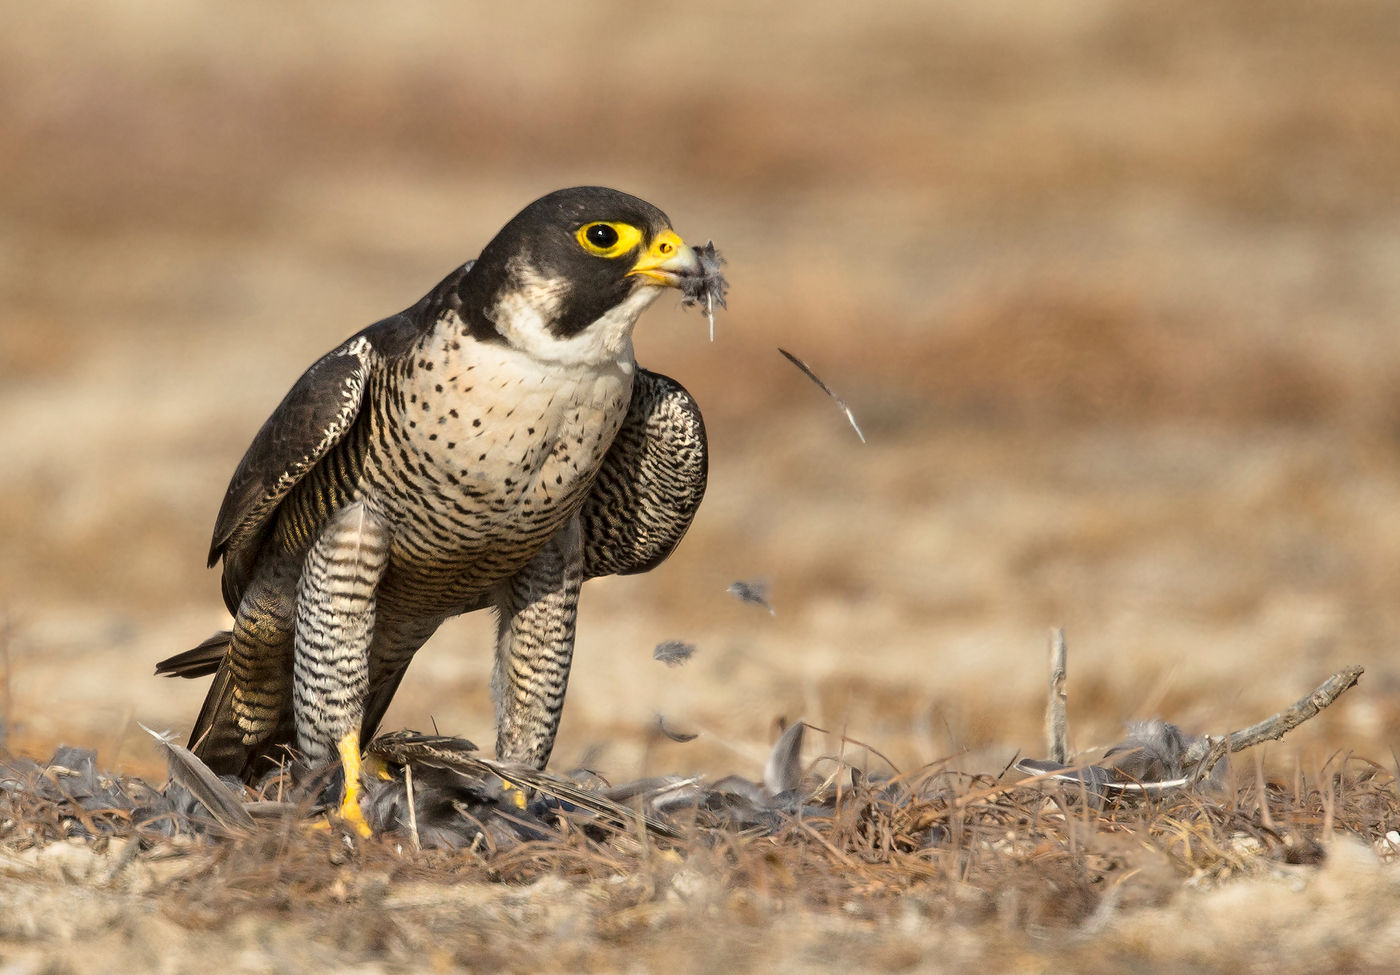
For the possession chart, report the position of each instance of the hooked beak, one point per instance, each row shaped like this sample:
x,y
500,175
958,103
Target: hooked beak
x,y
667,262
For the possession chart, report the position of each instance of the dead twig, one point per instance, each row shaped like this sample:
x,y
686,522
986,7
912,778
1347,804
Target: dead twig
x,y
1207,752
1056,711
4,682
412,807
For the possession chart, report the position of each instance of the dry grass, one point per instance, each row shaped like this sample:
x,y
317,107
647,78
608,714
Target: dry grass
x,y
1109,286
889,869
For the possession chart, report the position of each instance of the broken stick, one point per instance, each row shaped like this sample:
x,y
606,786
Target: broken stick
x,y
1207,752
1057,710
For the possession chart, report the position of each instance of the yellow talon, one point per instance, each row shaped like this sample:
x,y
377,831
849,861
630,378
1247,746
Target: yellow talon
x,y
375,767
350,806
514,793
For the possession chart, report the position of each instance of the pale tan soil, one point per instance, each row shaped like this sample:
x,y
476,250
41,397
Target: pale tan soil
x,y
1113,289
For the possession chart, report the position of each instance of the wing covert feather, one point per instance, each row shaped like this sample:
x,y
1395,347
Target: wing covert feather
x,y
311,419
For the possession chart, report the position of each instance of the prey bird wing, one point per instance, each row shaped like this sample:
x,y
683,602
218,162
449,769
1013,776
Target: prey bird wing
x,y
407,748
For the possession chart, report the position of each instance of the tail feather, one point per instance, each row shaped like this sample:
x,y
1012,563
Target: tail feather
x,y
216,738
200,661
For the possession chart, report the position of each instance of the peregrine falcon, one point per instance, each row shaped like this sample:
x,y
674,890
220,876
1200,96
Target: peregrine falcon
x,y
492,446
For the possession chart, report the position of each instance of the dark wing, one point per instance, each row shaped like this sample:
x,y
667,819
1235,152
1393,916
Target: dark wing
x,y
309,421
651,481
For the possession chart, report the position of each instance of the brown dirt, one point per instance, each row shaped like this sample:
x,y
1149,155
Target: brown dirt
x,y
1110,286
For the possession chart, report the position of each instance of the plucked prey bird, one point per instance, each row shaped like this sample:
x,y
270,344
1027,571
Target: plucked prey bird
x,y
493,445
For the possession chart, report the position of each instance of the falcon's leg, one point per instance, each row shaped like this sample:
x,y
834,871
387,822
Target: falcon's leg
x,y
395,642
335,624
535,646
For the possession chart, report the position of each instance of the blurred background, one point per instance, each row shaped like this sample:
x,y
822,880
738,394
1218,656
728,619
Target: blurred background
x,y
1113,289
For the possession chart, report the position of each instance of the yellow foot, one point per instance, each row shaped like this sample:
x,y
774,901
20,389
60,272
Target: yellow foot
x,y
350,806
372,766
351,813
513,794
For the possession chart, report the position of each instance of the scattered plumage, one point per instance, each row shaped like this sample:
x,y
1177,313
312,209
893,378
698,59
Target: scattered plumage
x,y
1152,759
710,286
88,803
676,736
673,653
222,800
434,790
736,802
752,592
807,371
783,770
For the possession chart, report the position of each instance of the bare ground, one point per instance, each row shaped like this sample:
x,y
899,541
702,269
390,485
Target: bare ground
x,y
1111,288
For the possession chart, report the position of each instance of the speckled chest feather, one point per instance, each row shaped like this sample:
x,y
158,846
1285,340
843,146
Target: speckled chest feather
x,y
480,454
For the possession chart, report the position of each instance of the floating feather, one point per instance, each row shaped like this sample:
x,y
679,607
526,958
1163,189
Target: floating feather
x,y
752,592
807,371
673,653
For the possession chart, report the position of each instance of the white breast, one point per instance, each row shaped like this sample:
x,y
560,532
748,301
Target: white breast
x,y
513,436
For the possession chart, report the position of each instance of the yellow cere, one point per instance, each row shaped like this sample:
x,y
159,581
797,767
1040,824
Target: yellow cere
x,y
608,238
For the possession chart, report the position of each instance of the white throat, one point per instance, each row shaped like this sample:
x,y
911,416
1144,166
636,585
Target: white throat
x,y
523,318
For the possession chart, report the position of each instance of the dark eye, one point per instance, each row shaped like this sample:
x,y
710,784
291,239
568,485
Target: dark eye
x,y
601,236
604,238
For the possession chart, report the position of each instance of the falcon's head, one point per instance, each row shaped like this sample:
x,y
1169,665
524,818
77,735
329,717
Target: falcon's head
x,y
566,279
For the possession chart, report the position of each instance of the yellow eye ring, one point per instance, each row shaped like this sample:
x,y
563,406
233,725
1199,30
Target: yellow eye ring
x,y
605,238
